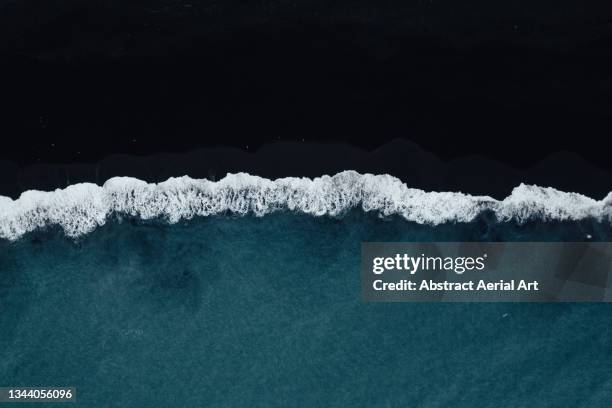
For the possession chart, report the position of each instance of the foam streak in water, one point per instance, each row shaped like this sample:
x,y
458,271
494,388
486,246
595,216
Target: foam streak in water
x,y
80,208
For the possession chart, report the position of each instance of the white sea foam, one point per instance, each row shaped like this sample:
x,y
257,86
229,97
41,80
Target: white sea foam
x,y
80,208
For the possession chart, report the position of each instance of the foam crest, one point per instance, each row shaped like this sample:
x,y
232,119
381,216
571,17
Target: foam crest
x,y
80,208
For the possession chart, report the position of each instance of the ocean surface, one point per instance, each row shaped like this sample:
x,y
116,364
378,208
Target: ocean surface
x,y
232,310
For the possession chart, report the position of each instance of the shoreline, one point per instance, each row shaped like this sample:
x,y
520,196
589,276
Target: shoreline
x,y
418,168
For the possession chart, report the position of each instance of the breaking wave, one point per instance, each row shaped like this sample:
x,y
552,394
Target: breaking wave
x,y
79,209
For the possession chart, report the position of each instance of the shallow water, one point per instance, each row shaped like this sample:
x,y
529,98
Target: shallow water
x,y
235,312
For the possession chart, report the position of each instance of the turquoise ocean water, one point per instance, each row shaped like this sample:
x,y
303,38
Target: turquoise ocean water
x,y
267,312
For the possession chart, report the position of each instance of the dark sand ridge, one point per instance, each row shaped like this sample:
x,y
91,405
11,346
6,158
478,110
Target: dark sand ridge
x,y
416,167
